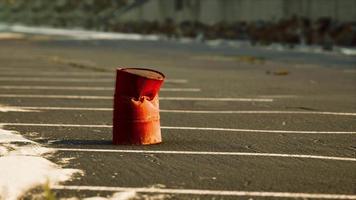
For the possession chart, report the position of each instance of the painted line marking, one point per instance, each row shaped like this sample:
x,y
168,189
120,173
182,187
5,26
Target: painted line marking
x,y
110,98
183,128
18,69
25,72
92,80
211,153
258,112
35,109
215,99
207,192
280,96
11,87
256,131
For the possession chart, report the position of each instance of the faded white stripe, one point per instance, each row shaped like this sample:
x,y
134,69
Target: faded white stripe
x,y
257,112
212,153
215,99
57,125
110,98
184,128
208,192
29,108
8,87
280,96
92,80
26,72
59,108
54,96
181,89
257,131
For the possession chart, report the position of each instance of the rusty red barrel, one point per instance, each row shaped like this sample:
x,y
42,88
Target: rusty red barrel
x,y
136,106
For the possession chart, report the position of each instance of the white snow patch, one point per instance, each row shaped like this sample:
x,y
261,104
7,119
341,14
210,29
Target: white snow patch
x,y
22,167
27,150
76,33
4,108
21,173
123,195
10,137
116,196
126,195
348,51
65,161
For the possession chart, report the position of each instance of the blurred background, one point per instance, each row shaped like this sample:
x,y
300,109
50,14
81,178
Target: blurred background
x,y
289,22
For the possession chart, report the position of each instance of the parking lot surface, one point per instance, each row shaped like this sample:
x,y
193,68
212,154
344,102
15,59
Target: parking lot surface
x,y
236,124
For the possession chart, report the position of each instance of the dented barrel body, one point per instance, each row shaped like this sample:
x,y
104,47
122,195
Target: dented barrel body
x,y
136,117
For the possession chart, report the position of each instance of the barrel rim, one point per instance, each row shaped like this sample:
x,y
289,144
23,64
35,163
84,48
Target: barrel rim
x,y
127,70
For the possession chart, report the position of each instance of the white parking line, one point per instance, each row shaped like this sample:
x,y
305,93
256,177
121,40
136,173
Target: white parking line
x,y
258,112
110,98
21,87
256,131
36,109
57,125
54,96
280,96
215,99
181,89
92,80
184,128
42,79
25,72
211,153
18,69
207,192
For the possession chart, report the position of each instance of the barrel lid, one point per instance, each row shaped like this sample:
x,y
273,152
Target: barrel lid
x,y
143,72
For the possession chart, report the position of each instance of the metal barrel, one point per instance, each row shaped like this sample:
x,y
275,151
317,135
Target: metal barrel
x,y
136,117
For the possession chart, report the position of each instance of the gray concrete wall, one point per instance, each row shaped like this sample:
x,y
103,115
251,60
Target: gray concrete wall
x,y
212,11
342,10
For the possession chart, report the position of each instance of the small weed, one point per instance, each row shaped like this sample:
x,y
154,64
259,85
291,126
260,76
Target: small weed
x,y
48,194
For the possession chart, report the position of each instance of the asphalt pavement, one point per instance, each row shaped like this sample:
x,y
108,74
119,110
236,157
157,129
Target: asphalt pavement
x,y
236,123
